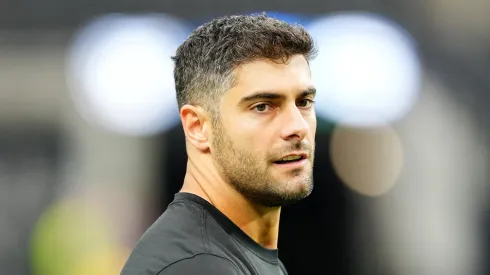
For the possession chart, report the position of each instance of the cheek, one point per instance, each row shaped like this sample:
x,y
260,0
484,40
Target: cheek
x,y
242,138
251,131
253,141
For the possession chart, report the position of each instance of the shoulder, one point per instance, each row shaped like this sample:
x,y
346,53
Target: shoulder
x,y
178,234
186,236
283,268
202,264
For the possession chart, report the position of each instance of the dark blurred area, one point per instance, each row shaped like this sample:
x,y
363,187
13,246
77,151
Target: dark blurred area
x,y
92,152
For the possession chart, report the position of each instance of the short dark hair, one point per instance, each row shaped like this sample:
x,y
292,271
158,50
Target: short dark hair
x,y
205,61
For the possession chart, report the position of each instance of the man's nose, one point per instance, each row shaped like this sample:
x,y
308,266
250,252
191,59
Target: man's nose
x,y
295,126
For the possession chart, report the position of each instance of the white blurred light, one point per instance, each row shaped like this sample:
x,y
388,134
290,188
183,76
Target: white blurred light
x,y
367,70
120,72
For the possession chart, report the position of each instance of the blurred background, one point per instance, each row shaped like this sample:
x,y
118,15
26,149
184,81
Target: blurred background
x,y
92,152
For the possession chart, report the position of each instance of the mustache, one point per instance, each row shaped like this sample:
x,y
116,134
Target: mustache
x,y
297,146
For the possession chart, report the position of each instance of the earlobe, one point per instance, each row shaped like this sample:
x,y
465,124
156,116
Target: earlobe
x,y
195,124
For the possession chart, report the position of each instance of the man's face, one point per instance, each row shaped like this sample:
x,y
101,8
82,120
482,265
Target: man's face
x,y
266,116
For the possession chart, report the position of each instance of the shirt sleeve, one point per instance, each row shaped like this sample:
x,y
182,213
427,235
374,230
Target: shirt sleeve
x,y
202,264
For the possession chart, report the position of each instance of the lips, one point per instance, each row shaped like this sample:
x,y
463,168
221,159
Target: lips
x,y
291,158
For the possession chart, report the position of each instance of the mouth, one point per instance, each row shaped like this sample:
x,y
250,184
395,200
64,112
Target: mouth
x,y
292,159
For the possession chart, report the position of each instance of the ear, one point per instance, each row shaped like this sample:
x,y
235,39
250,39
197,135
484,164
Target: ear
x,y
196,126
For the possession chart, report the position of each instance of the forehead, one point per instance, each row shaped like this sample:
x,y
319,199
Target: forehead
x,y
292,77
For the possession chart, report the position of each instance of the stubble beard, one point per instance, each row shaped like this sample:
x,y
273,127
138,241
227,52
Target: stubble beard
x,y
243,171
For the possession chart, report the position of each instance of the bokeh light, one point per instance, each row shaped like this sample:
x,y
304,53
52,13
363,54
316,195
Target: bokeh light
x,y
367,69
71,238
368,161
120,72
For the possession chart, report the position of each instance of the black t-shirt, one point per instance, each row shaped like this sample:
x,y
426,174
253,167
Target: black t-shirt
x,y
192,237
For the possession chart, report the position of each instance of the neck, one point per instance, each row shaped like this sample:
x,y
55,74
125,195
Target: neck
x,y
258,222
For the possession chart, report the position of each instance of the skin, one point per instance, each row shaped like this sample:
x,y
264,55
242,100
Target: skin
x,y
267,115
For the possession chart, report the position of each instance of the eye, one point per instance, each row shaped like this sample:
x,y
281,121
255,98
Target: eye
x,y
261,108
305,103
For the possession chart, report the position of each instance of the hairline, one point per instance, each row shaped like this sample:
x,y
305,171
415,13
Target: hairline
x,y
229,80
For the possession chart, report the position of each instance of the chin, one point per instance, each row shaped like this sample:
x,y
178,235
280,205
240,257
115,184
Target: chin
x,y
284,201
280,198
293,195
302,189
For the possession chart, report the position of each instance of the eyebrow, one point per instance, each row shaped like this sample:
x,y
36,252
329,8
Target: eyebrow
x,y
272,95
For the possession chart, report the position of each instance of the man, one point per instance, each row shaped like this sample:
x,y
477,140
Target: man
x,y
246,103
